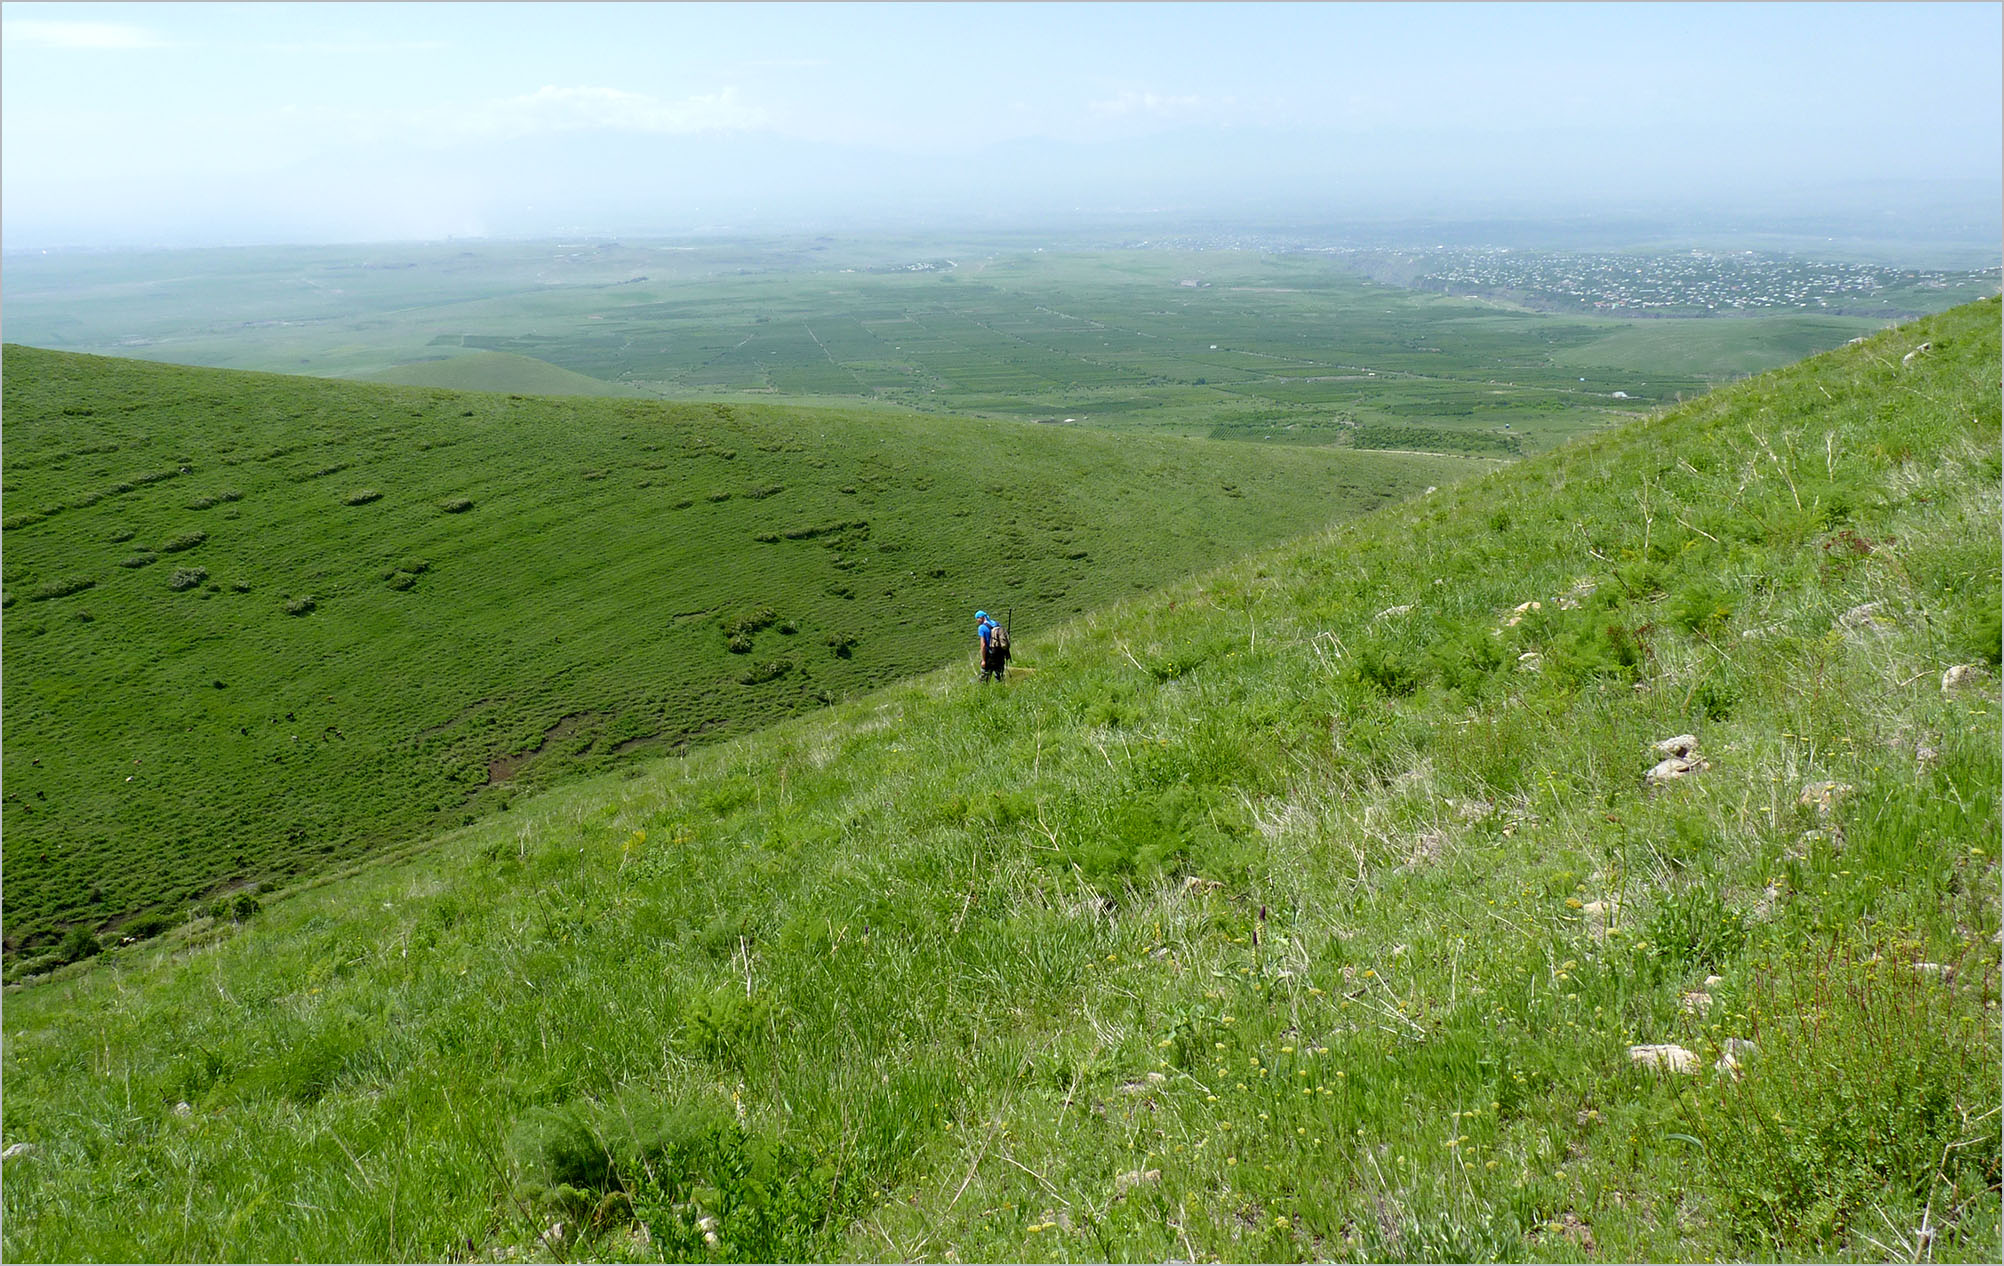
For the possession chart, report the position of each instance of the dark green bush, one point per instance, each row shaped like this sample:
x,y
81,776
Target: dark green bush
x,y
187,578
78,944
457,505
1701,608
147,926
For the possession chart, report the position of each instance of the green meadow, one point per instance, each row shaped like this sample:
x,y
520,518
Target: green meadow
x,y
1234,342
1592,859
258,625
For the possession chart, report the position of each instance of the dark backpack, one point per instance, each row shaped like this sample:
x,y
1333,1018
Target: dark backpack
x,y
998,643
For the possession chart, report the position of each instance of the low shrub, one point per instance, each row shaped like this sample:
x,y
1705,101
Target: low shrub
x,y
187,540
187,578
771,670
457,505
60,588
361,497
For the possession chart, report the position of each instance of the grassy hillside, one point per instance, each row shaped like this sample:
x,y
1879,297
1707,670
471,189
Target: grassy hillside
x,y
1309,908
499,371
258,624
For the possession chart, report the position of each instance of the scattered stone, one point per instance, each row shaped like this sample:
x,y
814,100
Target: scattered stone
x,y
555,1234
1763,909
1530,662
1926,753
1823,796
1922,350
1735,1050
1428,848
1679,758
1518,612
1962,677
1713,982
1598,915
1864,618
1946,971
1136,1178
1389,612
182,1109
1666,1056
1695,1002
1671,770
18,1149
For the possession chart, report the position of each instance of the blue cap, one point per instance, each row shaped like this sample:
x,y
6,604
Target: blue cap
x,y
980,615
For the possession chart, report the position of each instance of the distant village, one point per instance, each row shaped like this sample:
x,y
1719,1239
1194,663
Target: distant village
x,y
1687,282
1671,283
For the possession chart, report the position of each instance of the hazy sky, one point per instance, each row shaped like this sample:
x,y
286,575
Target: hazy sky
x,y
221,123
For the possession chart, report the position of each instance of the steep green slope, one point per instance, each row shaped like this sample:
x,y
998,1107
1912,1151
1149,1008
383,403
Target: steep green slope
x,y
257,623
1309,908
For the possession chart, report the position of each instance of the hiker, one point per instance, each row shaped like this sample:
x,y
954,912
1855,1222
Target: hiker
x,y
994,647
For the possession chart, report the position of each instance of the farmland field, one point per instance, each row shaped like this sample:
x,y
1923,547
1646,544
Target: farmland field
x,y
1238,342
256,625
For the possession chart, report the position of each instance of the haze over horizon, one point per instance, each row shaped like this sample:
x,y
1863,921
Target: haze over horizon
x,y
219,125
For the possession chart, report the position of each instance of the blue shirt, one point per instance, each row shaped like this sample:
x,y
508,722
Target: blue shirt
x,y
982,630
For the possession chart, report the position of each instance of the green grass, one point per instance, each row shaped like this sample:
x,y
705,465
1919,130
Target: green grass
x,y
1286,913
1729,345
257,625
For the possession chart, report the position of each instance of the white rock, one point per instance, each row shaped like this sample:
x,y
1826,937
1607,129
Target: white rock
x,y
1962,677
1763,910
1671,770
182,1109
1713,982
18,1149
706,1225
1530,662
1696,1002
1823,796
1922,350
1736,1050
555,1234
1598,914
1864,617
1137,1178
1389,612
1666,1056
1684,745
